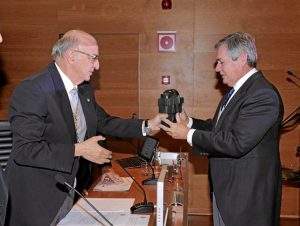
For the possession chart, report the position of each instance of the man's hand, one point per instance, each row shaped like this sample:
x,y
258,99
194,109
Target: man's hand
x,y
92,151
154,123
178,130
183,117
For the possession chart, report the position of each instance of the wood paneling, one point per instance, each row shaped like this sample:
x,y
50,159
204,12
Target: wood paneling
x,y
131,67
116,84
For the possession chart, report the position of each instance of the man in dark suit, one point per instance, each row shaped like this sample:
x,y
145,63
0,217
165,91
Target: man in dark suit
x,y
3,188
241,140
3,197
51,137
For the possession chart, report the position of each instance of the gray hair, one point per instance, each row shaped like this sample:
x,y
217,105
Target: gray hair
x,y
63,44
238,43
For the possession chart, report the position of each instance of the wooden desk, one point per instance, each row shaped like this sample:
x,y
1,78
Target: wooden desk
x,y
136,193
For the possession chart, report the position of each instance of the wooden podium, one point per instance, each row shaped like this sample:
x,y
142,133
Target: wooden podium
x,y
175,182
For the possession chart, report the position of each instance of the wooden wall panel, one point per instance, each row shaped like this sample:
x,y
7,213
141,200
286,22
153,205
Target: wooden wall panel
x,y
116,84
29,32
127,32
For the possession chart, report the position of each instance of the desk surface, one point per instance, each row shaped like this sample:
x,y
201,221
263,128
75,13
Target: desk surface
x,y
135,191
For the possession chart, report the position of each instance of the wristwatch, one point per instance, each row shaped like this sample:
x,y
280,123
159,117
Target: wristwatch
x,y
147,128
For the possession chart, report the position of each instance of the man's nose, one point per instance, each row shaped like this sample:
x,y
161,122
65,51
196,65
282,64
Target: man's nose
x,y
97,65
217,67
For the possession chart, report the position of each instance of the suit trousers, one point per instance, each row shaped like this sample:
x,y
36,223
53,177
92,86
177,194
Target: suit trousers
x,y
65,208
218,221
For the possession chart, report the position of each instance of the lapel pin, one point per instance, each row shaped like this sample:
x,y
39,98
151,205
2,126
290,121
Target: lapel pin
x,y
88,100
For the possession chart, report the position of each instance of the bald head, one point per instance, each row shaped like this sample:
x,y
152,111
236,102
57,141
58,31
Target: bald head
x,y
1,39
83,37
71,40
76,54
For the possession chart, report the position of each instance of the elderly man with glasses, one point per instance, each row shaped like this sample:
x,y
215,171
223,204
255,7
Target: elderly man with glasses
x,y
56,125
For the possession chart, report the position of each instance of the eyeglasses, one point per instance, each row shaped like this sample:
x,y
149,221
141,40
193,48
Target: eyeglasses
x,y
92,57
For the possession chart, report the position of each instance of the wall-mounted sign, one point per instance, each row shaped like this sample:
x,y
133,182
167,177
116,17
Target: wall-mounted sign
x,y
166,41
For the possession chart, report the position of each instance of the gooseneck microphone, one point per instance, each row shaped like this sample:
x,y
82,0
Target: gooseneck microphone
x,y
293,74
152,180
60,179
291,80
294,116
142,207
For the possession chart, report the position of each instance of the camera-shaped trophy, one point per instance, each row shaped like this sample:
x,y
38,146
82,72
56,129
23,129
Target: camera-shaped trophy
x,y
170,103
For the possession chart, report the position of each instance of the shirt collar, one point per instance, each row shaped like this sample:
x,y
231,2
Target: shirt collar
x,y
67,82
244,79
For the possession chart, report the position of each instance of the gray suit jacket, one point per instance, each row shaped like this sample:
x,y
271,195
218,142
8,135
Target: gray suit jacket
x,y
43,144
243,149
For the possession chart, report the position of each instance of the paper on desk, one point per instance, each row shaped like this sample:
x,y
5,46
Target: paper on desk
x,y
124,186
117,211
105,204
92,218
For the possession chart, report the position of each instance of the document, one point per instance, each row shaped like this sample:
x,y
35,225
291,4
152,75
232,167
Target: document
x,y
92,218
105,204
116,210
111,186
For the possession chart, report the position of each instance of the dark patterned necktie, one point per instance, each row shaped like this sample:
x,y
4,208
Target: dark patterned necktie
x,y
228,95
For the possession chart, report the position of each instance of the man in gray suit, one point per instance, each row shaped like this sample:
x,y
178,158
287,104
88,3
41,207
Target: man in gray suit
x,y
51,136
3,188
241,140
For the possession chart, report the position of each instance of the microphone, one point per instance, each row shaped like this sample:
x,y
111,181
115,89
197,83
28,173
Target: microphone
x,y
293,74
291,81
152,180
142,207
294,116
60,179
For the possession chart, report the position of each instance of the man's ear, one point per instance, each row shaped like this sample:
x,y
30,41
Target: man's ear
x,y
243,58
70,57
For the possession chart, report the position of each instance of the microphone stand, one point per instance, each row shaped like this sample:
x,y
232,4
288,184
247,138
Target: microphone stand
x,y
59,178
295,115
292,81
152,180
293,74
142,207
291,175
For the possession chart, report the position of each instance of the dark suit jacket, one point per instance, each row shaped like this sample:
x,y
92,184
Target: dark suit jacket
x,y
43,144
243,150
3,197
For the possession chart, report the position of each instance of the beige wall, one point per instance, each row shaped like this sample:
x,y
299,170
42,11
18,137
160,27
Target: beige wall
x,y
31,27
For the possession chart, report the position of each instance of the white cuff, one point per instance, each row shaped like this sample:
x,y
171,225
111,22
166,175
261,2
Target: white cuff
x,y
143,129
190,136
190,123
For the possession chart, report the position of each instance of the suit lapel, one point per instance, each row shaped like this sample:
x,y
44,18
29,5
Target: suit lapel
x,y
86,100
62,100
239,94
